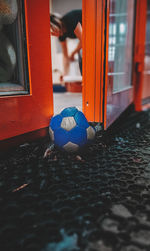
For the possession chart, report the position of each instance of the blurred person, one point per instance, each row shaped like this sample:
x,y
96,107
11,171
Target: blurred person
x,y
68,26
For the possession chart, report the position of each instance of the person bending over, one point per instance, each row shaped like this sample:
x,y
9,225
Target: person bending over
x,y
68,26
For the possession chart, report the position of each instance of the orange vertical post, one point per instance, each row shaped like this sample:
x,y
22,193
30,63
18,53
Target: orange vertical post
x,y
93,58
89,52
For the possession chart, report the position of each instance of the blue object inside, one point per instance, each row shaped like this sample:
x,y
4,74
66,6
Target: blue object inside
x,y
59,88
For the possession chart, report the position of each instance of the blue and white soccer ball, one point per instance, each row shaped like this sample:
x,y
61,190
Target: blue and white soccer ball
x,y
70,130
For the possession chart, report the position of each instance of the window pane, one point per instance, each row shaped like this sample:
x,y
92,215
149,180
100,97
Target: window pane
x,y
147,44
13,55
146,73
120,44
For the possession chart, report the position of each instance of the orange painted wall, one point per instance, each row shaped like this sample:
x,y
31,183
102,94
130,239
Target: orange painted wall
x,y
26,113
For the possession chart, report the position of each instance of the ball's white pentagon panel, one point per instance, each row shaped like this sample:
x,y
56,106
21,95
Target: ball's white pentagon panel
x,y
70,147
90,133
51,133
68,123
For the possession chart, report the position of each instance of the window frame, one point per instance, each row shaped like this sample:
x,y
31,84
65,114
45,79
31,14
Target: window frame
x,y
19,87
25,113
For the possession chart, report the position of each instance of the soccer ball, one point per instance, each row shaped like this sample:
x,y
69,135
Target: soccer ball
x,y
70,130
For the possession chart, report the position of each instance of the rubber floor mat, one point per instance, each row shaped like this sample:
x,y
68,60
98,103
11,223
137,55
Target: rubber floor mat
x,y
98,203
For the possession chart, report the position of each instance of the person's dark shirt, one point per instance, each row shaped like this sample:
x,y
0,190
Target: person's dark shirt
x,y
70,20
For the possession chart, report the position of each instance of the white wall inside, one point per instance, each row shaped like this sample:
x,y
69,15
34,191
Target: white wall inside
x,y
63,6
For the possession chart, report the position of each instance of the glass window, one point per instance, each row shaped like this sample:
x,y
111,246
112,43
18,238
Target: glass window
x,y
13,53
146,73
147,41
120,44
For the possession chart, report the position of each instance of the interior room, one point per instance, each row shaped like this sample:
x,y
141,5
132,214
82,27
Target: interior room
x,y
67,90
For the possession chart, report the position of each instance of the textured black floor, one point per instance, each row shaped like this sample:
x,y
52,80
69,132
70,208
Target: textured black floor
x,y
101,203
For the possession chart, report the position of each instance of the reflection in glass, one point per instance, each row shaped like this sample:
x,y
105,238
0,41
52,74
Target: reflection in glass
x,y
13,59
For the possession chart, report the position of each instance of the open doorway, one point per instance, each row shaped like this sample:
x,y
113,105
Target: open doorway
x,y
67,84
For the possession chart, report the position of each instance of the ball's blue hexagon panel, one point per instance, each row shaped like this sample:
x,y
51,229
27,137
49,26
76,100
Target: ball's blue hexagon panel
x,y
55,122
61,137
69,112
81,120
78,136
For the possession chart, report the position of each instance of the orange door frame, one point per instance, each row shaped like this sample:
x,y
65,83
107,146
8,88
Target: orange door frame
x,y
139,52
14,110
25,113
93,58
138,55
